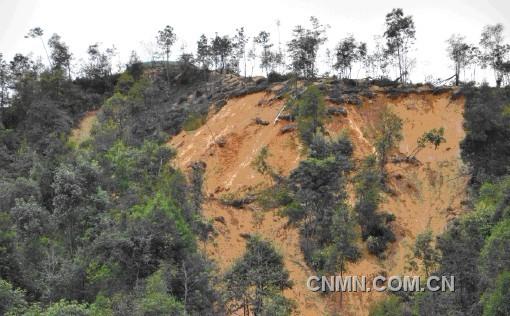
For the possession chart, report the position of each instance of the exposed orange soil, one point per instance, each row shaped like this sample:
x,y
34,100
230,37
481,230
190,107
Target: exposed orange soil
x,y
229,168
425,195
82,132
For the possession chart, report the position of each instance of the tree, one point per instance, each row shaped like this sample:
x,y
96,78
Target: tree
x,y
4,85
304,46
495,52
240,41
343,248
255,277
391,306
166,39
99,66
497,302
460,53
266,57
60,55
196,180
347,52
374,228
424,251
389,133
12,300
310,109
377,62
400,35
260,162
434,137
156,300
38,32
495,254
203,52
221,48
317,189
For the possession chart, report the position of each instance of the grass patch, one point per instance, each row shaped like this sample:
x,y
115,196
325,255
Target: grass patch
x,y
194,121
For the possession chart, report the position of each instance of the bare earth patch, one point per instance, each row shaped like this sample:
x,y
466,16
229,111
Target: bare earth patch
x,y
425,195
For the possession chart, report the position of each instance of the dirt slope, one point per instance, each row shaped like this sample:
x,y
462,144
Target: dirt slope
x,y
229,170
82,132
425,195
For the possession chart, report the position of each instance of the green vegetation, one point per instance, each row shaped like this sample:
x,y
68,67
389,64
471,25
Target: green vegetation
x,y
256,280
374,226
194,121
388,135
110,227
310,112
318,204
497,301
424,251
434,137
391,306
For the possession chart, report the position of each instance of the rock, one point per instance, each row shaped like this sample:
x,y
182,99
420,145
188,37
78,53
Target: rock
x,y
221,141
337,111
260,121
220,219
288,128
220,103
286,117
258,80
245,235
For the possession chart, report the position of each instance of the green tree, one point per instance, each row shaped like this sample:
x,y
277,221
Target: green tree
x,y
38,32
310,109
497,302
203,52
434,137
156,300
304,46
239,43
4,87
256,277
374,229
389,134
495,254
343,247
221,48
347,52
461,54
400,35
425,251
391,306
65,308
99,65
266,57
166,39
495,51
60,54
12,300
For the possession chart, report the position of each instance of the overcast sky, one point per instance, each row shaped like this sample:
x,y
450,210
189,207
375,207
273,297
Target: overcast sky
x,y
132,25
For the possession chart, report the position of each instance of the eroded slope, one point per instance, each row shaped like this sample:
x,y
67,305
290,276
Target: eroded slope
x,y
424,195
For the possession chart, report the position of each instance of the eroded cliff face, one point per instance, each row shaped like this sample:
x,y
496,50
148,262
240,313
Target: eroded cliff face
x,y
426,194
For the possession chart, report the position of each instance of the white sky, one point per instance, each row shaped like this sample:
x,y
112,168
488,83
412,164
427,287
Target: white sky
x,y
132,24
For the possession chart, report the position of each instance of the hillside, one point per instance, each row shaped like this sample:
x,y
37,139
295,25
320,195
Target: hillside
x,y
428,194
